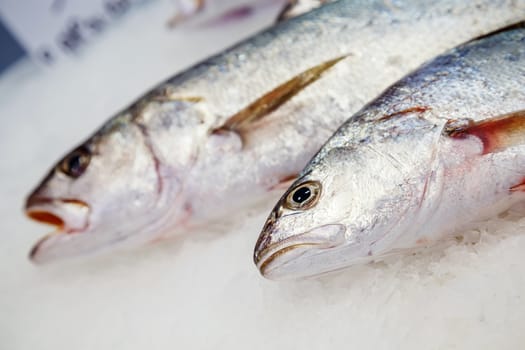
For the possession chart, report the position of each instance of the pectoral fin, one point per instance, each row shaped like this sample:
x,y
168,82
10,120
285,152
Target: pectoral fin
x,y
519,187
269,102
496,134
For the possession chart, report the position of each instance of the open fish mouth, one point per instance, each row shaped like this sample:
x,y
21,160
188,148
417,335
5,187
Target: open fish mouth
x,y
68,216
277,255
46,218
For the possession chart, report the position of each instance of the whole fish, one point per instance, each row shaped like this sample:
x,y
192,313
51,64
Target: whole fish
x,y
437,152
236,129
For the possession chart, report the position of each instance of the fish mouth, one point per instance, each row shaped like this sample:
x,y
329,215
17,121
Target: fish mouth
x,y
271,258
67,216
46,218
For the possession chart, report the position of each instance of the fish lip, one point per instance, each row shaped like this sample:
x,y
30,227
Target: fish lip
x,y
264,257
33,253
49,240
37,207
51,211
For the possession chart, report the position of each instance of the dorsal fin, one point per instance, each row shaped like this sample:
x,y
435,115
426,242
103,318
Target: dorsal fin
x,y
275,98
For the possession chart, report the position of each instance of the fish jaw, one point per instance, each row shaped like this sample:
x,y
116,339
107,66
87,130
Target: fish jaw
x,y
83,231
67,215
285,258
57,246
93,237
38,253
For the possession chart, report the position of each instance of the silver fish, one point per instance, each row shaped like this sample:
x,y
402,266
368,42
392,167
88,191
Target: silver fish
x,y
437,152
235,129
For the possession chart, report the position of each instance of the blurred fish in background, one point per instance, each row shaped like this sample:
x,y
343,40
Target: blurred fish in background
x,y
53,30
214,11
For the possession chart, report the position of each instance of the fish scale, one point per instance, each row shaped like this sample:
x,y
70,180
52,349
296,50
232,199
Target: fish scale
x,y
235,129
432,156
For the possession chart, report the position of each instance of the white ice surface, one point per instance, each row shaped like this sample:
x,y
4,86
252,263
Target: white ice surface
x,y
203,292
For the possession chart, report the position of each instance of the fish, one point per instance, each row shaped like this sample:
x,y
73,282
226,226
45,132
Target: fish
x,y
294,8
434,155
201,11
235,130
210,12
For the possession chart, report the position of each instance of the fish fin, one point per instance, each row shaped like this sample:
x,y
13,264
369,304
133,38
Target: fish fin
x,y
226,140
284,183
185,11
496,134
275,98
294,8
288,11
519,187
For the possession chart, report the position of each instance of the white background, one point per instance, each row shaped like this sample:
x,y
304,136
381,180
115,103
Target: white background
x,y
203,292
43,24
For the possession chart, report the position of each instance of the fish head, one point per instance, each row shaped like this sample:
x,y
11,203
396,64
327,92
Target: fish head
x,y
98,195
344,210
124,186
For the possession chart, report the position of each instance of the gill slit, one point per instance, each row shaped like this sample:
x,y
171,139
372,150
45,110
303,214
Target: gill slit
x,y
160,180
149,145
434,167
157,222
398,165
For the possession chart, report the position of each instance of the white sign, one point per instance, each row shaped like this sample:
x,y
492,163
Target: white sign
x,y
52,29
48,29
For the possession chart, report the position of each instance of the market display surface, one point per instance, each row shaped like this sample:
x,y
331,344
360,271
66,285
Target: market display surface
x,y
201,290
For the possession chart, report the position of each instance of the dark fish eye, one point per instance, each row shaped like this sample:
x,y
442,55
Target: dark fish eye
x,y
74,164
304,196
301,194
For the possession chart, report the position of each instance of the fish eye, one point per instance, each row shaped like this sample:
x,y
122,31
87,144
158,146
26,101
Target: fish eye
x,y
304,196
76,162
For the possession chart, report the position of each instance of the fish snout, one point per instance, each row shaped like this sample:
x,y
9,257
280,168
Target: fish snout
x,y
266,236
262,243
284,257
66,214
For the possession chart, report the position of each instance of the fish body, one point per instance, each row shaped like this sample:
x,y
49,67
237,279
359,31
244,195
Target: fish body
x,y
213,140
435,154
